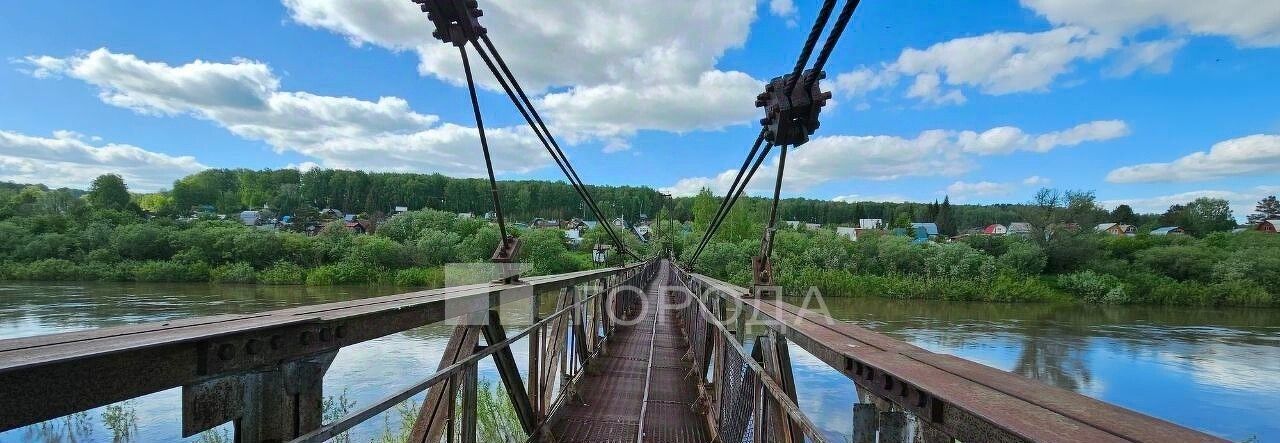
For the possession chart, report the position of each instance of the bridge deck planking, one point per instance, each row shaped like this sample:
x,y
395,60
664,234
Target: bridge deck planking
x,y
1031,410
611,403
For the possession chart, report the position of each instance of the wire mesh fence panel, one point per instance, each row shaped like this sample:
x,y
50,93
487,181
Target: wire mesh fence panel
x,y
737,399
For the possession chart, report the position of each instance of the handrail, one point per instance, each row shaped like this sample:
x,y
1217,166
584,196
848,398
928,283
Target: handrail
x,y
91,367
775,392
349,421
949,395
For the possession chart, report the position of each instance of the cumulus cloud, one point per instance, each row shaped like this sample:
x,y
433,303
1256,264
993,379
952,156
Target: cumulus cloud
x,y
853,198
609,52
887,157
1242,202
244,97
1251,155
67,160
1249,23
965,190
1006,139
1035,180
997,63
1001,63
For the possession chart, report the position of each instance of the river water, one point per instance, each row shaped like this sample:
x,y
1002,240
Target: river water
x,y
1216,370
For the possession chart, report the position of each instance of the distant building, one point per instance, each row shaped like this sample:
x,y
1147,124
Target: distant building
x,y
1019,228
356,227
1271,226
1116,229
466,216
848,232
330,214
251,218
591,224
574,235
349,218
545,223
643,232
930,229
995,229
620,222
399,210
1167,230
870,223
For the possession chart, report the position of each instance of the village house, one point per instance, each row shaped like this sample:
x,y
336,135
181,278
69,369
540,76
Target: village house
x,y
848,232
1116,229
1269,226
995,229
929,230
1019,228
1168,230
870,223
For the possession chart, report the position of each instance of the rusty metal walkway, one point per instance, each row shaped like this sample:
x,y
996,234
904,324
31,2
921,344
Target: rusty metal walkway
x,y
641,381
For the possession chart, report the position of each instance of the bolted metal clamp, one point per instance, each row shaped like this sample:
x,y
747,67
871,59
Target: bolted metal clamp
x,y
790,119
457,21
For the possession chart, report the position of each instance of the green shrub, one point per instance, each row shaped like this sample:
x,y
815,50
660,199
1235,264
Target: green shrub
x,y
420,277
344,273
1023,258
52,269
233,273
105,271
1093,287
437,247
1182,262
170,271
283,273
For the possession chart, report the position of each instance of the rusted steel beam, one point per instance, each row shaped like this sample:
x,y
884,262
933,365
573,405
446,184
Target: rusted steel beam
x,y
965,400
865,423
510,374
434,415
185,352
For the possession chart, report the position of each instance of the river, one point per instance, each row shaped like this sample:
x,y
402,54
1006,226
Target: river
x,y
1216,370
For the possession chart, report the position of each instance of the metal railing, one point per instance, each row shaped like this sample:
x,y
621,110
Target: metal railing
x,y
263,372
744,401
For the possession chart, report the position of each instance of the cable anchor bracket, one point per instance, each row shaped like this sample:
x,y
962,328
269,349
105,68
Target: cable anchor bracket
x,y
791,119
457,21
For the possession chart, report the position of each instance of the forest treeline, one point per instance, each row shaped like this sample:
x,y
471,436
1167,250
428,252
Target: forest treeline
x,y
358,192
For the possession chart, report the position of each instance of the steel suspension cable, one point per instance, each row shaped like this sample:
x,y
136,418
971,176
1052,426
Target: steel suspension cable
x,y
816,31
484,145
735,195
834,36
746,163
580,189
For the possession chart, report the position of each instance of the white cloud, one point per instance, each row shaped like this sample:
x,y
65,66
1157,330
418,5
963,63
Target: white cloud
x,y
1035,180
1250,23
1155,56
1242,202
651,60
1006,139
782,8
1254,154
245,98
996,63
619,110
854,198
962,191
887,157
66,160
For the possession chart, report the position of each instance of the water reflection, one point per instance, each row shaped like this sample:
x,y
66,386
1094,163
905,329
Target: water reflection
x,y
1207,368
1211,369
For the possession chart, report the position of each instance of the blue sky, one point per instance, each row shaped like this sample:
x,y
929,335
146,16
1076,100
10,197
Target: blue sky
x,y
1149,103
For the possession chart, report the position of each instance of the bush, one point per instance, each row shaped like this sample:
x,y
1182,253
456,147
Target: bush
x,y
239,272
437,247
52,269
1182,262
283,273
1023,258
420,277
344,273
170,271
142,242
1093,287
406,227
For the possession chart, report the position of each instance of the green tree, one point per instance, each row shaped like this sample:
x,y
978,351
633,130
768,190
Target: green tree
x,y
1124,214
1205,215
945,219
1267,209
108,191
